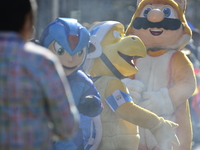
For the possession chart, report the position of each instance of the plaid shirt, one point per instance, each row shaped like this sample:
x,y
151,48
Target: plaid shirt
x,y
32,93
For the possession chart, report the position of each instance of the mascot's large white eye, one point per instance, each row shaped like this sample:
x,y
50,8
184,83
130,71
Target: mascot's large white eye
x,y
116,34
168,12
146,11
58,48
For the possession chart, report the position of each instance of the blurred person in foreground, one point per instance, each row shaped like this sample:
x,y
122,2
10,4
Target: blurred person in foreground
x,y
35,100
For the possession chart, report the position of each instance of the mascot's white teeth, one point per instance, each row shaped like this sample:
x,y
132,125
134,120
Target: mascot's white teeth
x,y
132,62
156,32
129,59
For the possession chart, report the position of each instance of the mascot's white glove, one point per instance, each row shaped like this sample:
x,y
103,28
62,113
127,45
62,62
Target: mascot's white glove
x,y
135,88
164,134
158,102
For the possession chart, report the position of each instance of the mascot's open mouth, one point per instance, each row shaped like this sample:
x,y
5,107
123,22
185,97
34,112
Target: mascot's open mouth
x,y
129,59
156,32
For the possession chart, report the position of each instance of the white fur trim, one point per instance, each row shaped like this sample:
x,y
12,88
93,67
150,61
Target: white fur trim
x,y
98,129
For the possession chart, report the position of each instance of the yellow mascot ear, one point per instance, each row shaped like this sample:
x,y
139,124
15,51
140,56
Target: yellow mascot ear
x,y
182,3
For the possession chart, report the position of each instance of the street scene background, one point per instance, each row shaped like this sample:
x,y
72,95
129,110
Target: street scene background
x,y
89,11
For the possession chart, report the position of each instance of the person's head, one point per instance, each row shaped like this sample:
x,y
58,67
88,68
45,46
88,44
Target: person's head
x,y
18,16
67,39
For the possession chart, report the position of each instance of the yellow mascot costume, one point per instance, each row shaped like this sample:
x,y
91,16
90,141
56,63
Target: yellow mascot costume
x,y
110,60
165,74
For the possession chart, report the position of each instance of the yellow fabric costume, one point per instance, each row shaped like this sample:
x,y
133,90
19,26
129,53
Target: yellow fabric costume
x,y
107,64
166,73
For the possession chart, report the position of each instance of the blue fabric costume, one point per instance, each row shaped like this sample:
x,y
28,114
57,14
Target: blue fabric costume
x,y
81,85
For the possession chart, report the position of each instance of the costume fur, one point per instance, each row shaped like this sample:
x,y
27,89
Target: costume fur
x,y
112,60
166,73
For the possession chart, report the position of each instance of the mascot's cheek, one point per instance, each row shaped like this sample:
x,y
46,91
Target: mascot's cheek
x,y
168,34
145,35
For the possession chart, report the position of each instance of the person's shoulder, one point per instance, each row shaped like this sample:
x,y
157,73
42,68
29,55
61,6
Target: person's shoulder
x,y
39,51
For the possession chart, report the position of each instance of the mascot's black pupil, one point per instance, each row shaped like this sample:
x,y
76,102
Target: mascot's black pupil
x,y
146,11
167,12
61,51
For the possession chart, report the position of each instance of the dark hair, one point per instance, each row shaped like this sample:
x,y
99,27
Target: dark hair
x,y
13,14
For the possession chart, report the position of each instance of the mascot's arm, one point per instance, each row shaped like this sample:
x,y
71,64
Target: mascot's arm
x,y
114,85
160,128
129,110
183,79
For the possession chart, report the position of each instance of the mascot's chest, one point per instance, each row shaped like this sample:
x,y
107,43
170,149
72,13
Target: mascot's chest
x,y
154,72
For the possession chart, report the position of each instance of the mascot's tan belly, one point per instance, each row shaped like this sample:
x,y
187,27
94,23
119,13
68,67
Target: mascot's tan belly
x,y
160,68
115,129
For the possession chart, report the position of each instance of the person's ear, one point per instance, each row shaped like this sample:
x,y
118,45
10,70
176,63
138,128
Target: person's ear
x,y
27,30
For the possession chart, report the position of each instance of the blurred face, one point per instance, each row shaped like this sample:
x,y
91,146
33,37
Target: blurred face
x,y
70,62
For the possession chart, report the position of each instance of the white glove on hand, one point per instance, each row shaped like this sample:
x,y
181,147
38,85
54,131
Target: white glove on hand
x,y
135,88
164,134
157,102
